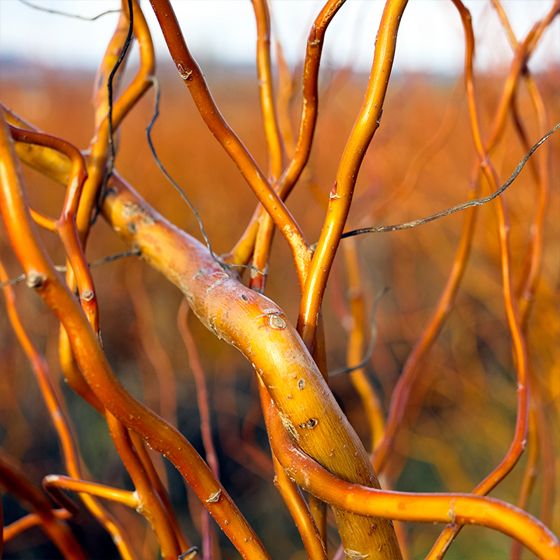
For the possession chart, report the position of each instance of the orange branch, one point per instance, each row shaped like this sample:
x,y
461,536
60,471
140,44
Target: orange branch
x,y
148,501
60,482
407,380
61,422
194,80
266,90
30,520
158,486
409,506
259,329
66,223
529,282
518,441
366,124
313,537
259,232
99,147
13,480
43,278
356,345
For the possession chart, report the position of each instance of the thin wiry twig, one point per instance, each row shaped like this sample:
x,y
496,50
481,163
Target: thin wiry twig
x,y
459,207
112,152
181,192
179,189
68,14
94,264
372,340
112,74
135,252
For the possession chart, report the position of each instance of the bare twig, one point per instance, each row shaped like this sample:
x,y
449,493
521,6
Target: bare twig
x,y
181,192
68,14
459,207
122,55
112,152
373,338
94,264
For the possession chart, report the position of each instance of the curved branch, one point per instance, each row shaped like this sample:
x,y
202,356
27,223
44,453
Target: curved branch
x,y
409,506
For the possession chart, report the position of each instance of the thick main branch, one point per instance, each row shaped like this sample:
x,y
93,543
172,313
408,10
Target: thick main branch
x,y
259,329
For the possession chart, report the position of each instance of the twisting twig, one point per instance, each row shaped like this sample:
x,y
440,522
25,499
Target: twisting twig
x,y
169,177
181,191
112,152
68,14
459,207
365,125
92,362
114,70
93,264
194,80
372,340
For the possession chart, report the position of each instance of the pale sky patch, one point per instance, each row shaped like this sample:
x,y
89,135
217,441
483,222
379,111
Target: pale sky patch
x,y
430,38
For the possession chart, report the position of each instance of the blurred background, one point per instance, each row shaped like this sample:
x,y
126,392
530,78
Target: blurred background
x,y
420,161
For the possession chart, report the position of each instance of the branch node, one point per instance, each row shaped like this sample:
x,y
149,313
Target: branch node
x,y
185,73
215,497
275,320
87,295
451,513
35,280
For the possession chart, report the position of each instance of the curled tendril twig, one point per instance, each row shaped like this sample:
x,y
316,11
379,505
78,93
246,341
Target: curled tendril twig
x,y
459,207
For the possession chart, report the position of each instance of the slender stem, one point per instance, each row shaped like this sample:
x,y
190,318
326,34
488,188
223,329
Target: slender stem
x,y
366,124
406,384
27,522
257,237
356,344
56,481
62,425
149,503
314,540
528,284
266,89
518,441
